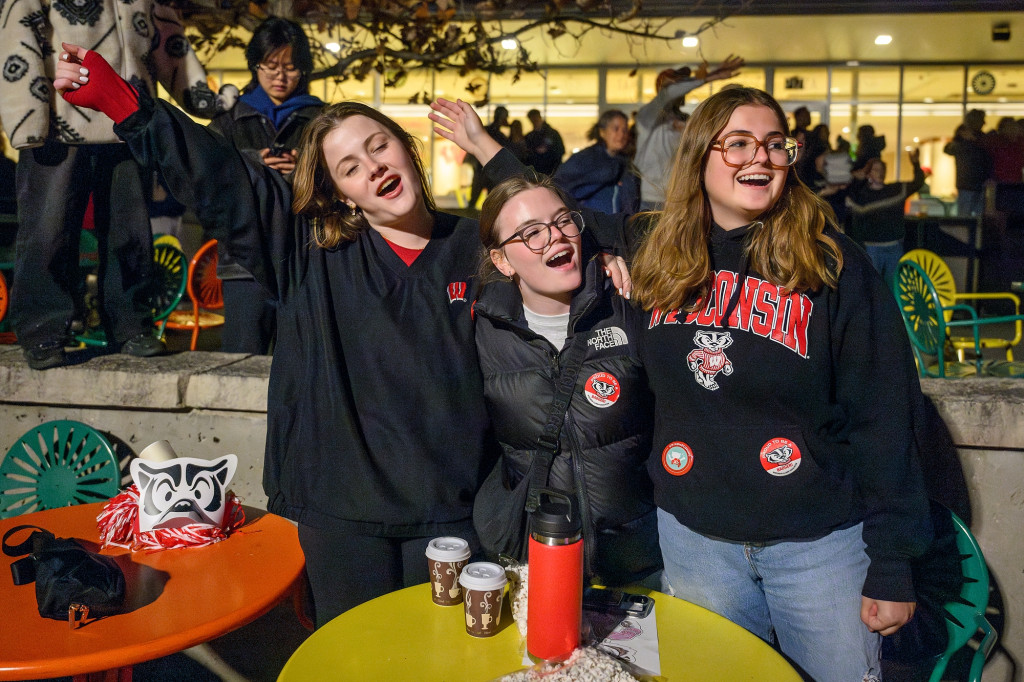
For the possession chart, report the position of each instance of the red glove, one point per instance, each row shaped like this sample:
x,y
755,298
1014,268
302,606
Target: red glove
x,y
105,91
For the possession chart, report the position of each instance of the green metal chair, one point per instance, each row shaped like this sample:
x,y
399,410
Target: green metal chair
x,y
965,614
928,322
57,464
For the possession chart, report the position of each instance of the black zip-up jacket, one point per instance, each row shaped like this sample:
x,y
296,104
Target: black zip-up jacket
x,y
792,416
250,131
606,435
375,415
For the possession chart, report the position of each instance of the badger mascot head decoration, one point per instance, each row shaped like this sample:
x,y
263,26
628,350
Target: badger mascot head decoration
x,y
182,491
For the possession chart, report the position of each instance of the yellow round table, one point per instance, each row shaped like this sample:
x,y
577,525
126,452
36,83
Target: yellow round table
x,y
405,636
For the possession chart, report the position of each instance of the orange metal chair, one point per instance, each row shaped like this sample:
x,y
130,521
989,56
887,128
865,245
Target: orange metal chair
x,y
205,293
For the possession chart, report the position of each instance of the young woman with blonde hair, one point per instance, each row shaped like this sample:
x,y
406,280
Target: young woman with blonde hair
x,y
784,463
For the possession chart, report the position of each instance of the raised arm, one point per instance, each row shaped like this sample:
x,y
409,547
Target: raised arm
x,y
458,122
242,204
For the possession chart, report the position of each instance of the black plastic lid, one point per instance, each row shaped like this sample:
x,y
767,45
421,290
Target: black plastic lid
x,y
556,517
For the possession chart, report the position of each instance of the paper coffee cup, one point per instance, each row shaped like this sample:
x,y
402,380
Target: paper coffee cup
x,y
484,583
160,451
446,557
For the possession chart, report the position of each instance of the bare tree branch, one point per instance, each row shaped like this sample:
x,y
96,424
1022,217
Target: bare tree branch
x,y
393,37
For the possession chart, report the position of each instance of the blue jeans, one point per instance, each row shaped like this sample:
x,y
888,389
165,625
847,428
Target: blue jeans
x,y
886,259
805,593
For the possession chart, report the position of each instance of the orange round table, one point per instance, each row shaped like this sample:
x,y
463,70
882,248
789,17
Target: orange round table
x,y
403,636
175,598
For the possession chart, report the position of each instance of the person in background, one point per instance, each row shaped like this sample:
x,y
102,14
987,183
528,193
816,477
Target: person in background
x,y
973,163
377,432
66,156
876,214
784,461
480,182
659,124
869,146
545,144
8,190
266,123
809,163
836,169
517,142
801,124
1005,146
599,176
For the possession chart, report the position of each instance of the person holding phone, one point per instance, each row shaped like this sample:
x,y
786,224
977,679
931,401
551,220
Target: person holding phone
x,y
266,122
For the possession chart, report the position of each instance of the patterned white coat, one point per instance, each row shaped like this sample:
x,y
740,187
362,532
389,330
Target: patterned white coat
x,y
143,40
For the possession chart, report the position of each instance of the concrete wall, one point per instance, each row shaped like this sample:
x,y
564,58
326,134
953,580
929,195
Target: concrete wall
x,y
210,404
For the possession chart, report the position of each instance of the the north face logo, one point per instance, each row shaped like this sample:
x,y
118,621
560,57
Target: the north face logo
x,y
609,337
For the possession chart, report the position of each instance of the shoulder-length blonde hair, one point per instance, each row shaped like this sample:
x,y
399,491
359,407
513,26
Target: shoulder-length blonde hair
x,y
672,268
313,192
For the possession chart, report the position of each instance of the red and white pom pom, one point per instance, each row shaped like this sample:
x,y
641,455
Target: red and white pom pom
x,y
118,524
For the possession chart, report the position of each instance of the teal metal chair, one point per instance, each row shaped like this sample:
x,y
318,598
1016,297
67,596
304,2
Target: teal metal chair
x,y
965,614
161,293
928,322
57,464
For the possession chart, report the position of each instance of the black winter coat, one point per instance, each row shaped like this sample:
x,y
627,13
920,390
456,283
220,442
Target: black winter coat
x,y
606,435
250,131
247,128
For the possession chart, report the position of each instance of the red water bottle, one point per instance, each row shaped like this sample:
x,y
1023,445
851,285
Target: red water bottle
x,y
555,588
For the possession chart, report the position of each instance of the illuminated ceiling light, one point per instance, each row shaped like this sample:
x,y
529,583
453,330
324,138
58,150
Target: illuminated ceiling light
x,y
916,140
509,43
834,89
1002,100
883,39
846,130
691,41
929,100
333,47
853,62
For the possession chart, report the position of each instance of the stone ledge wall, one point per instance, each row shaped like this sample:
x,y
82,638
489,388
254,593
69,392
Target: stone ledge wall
x,y
210,404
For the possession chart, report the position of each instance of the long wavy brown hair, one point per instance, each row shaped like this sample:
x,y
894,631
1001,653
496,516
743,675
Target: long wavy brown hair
x,y
313,192
672,268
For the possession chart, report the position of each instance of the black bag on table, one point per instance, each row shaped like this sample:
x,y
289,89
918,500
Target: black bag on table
x,y
72,583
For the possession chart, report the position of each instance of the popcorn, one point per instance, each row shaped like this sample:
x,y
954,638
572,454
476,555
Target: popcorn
x,y
586,664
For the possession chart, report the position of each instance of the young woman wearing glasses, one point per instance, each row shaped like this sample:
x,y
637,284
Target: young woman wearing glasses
x,y
542,292
784,462
267,122
554,294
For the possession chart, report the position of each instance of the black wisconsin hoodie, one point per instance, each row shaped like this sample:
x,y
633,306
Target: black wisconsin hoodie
x,y
791,418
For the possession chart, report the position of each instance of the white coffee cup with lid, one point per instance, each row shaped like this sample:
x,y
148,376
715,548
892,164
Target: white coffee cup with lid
x,y
446,557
